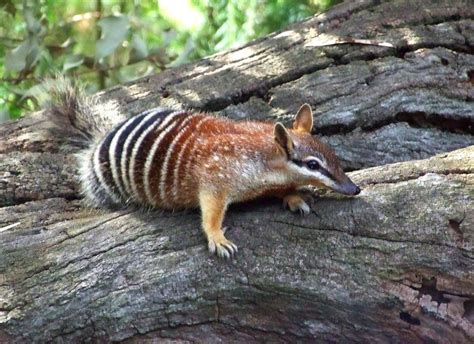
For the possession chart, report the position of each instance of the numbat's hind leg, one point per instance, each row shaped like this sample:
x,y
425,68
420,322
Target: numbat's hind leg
x,y
213,208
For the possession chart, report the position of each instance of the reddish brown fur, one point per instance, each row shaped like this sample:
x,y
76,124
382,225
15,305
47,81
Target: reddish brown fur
x,y
198,160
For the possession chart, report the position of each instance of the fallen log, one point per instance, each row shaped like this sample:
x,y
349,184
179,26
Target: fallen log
x,y
393,263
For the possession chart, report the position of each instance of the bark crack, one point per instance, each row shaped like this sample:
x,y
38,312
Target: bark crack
x,y
398,179
415,119
86,229
262,89
73,196
64,266
354,234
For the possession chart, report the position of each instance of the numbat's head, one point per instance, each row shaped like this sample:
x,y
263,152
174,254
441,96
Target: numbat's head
x,y
309,161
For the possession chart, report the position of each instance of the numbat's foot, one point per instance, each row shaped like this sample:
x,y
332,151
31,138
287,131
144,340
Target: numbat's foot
x,y
223,247
296,204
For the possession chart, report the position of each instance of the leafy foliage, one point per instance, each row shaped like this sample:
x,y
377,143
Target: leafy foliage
x,y
105,42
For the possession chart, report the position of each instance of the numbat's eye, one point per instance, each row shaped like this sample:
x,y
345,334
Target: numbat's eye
x,y
312,164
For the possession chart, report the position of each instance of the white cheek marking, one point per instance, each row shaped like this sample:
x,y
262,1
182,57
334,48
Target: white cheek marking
x,y
275,178
313,174
326,181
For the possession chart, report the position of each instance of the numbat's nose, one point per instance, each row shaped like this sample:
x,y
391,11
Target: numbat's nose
x,y
349,188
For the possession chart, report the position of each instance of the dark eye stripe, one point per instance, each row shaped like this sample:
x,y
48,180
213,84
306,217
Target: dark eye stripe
x,y
297,162
326,173
321,169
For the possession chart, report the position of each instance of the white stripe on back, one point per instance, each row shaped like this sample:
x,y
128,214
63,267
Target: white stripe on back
x,y
182,129
123,159
100,176
87,176
113,164
149,161
136,149
180,156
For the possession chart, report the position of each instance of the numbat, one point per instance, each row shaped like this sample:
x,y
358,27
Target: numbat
x,y
180,159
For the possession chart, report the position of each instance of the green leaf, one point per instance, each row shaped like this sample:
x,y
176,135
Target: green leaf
x,y
114,30
139,48
22,57
73,61
32,24
34,53
15,60
8,6
37,91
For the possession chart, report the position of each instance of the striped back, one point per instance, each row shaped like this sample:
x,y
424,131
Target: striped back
x,y
140,160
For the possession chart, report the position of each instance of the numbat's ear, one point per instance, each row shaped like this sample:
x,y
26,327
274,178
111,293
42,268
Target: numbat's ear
x,y
304,119
283,138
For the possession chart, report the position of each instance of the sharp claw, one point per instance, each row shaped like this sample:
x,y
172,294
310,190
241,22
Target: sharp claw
x,y
229,249
227,254
222,247
222,252
211,246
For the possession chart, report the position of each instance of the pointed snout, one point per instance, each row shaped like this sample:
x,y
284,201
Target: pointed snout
x,y
348,188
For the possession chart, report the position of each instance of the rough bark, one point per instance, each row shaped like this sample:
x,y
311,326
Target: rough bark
x,y
393,264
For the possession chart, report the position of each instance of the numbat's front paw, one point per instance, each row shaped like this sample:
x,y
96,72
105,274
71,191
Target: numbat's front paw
x,y
223,247
296,204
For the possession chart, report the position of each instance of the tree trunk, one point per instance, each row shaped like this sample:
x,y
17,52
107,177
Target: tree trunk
x,y
394,264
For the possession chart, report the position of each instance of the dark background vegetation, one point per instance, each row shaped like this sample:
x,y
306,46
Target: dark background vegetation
x,y
108,42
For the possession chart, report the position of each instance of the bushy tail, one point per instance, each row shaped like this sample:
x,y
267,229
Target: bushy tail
x,y
82,120
69,104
